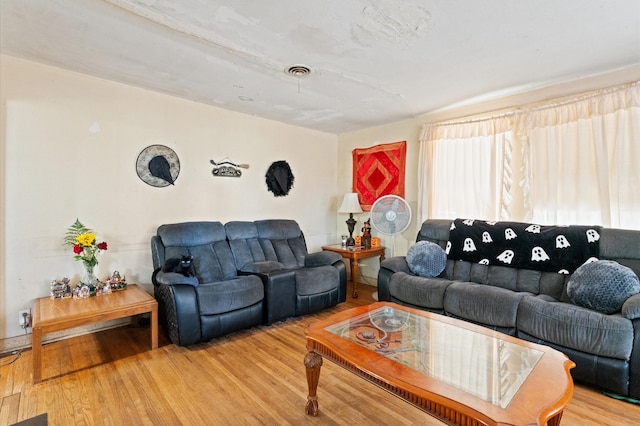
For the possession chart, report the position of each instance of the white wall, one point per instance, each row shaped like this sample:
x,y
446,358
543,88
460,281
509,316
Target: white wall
x,y
57,166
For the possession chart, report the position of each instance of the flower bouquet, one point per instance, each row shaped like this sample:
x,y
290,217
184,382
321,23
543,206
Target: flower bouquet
x,y
86,248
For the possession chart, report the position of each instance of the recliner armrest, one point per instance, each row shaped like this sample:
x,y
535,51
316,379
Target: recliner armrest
x,y
396,264
631,307
321,258
172,278
388,267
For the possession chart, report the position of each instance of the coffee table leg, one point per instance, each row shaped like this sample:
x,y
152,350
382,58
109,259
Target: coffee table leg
x,y
312,362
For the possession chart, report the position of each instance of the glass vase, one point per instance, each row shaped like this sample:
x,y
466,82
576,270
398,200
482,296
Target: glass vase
x,y
89,277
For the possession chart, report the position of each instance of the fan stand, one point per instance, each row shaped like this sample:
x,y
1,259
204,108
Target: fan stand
x,y
374,296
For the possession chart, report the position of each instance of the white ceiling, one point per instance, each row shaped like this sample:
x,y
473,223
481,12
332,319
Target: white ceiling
x,y
373,61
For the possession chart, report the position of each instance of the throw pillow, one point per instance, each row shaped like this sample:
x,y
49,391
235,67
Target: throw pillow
x,y
602,285
426,259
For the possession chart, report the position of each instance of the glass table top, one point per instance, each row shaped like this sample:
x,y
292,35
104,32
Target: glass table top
x,y
487,367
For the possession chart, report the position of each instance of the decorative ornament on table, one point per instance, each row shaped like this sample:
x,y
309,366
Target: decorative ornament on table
x,y
86,249
366,234
116,282
60,289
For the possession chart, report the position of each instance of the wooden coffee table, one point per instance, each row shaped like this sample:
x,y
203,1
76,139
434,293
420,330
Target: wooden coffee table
x,y
51,315
458,372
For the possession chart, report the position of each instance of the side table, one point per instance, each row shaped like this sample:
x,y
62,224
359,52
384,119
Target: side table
x,y
353,254
54,315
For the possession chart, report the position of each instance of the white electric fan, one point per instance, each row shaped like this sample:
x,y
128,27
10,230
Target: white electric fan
x,y
390,215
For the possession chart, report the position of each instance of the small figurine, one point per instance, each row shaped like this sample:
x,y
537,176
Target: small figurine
x,y
366,234
116,281
60,289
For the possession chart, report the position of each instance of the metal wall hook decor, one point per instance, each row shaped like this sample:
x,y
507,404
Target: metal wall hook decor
x,y
226,168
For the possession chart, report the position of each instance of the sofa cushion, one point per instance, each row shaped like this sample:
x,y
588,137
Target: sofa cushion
x,y
316,280
226,296
426,259
575,327
262,267
483,304
419,291
602,285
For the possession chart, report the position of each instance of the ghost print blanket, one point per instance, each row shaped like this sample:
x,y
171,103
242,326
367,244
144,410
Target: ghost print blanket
x,y
560,249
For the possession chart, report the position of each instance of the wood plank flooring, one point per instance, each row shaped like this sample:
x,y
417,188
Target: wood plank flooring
x,y
252,377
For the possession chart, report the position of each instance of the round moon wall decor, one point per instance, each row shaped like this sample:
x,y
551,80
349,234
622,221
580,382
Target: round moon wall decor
x,y
158,165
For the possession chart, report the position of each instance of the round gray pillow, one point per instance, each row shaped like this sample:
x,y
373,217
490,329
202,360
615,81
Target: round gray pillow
x,y
426,259
602,285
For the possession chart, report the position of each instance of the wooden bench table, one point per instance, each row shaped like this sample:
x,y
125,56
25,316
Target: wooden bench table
x,y
51,315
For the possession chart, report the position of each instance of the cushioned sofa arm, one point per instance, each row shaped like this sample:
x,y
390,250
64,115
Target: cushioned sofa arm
x,y
177,306
631,307
173,278
388,267
396,264
321,258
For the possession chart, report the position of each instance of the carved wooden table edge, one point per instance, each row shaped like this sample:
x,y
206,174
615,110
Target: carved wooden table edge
x,y
444,408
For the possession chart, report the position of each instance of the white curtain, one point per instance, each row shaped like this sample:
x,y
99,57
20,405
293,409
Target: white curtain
x,y
582,160
580,163
465,169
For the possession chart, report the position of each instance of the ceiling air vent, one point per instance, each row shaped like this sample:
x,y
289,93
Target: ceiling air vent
x,y
298,71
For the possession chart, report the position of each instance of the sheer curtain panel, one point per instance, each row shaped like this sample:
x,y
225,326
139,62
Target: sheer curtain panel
x,y
582,160
465,169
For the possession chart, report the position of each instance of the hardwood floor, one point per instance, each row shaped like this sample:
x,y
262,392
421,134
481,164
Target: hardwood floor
x,y
252,377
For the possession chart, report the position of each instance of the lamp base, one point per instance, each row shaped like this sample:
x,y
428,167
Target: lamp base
x,y
351,223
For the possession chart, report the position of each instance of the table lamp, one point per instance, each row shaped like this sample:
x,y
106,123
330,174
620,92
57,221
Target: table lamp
x,y
351,205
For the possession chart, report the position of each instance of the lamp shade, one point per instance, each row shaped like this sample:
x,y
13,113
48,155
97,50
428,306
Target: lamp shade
x,y
350,204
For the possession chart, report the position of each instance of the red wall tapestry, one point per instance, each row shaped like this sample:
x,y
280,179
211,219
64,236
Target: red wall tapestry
x,y
379,171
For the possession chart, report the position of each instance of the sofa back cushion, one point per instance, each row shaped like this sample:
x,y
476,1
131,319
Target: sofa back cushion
x,y
282,241
273,240
621,245
525,280
244,243
206,242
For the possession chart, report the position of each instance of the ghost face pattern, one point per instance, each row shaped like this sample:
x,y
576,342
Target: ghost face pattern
x,y
534,229
469,245
448,248
539,255
506,256
562,242
592,235
533,246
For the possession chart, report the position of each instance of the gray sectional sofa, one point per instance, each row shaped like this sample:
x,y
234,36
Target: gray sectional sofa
x,y
531,304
